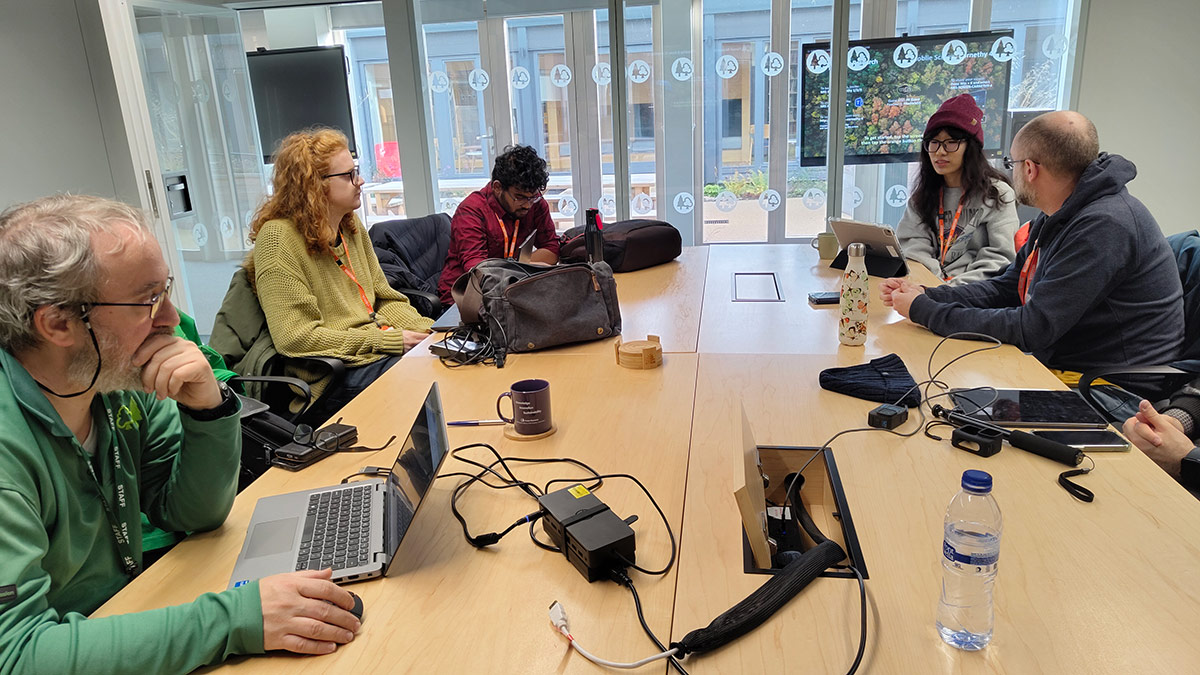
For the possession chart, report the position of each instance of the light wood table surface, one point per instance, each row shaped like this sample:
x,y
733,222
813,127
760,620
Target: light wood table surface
x,y
1090,588
1106,587
450,608
792,326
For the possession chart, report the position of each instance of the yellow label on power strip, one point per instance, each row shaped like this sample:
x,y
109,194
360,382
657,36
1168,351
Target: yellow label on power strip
x,y
579,491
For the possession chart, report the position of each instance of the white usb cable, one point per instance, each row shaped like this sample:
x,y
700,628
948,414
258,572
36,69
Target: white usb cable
x,y
558,617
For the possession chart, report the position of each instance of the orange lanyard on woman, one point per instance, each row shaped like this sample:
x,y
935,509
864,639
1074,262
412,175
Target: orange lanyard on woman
x,y
1027,271
946,240
348,268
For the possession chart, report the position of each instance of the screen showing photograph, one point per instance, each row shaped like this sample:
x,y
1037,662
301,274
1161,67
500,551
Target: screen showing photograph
x,y
893,85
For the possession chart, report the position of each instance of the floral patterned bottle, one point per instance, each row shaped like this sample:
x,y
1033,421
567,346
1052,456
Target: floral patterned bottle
x,y
852,328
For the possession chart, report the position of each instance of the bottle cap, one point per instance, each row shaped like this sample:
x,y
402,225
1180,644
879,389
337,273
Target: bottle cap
x,y
856,250
977,481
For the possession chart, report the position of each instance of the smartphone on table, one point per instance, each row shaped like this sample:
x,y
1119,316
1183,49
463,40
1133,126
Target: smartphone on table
x,y
824,298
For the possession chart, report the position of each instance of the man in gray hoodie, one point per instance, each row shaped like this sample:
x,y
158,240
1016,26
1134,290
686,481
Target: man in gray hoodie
x,y
1095,285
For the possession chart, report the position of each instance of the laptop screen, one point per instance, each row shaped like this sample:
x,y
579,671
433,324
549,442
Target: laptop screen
x,y
415,469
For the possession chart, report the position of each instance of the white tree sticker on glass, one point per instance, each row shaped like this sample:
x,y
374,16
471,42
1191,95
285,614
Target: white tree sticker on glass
x,y
560,75
479,79
727,66
602,74
813,199
771,64
726,201
439,82
519,77
682,69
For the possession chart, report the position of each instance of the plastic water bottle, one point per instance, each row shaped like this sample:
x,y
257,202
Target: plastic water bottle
x,y
852,327
970,555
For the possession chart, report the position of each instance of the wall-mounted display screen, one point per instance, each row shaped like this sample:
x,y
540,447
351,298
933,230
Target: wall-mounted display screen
x,y
893,85
299,88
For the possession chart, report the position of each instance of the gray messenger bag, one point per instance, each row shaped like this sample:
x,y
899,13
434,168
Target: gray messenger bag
x,y
528,307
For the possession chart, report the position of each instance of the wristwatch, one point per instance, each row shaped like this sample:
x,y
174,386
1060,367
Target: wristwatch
x,y
229,405
1189,469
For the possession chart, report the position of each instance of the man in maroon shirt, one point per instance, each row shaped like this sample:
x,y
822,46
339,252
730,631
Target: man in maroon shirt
x,y
495,221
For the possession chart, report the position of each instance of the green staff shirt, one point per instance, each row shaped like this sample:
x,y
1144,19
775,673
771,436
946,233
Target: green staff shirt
x,y
59,558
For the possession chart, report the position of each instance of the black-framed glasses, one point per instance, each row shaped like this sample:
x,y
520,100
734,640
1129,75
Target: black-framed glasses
x,y
527,199
949,145
352,174
156,303
323,439
1009,162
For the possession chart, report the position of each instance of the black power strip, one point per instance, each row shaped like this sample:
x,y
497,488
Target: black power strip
x,y
594,539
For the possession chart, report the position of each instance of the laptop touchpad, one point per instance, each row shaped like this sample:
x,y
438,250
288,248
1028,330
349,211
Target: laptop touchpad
x,y
272,537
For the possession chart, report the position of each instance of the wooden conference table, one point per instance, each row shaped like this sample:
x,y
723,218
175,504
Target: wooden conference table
x,y
1106,587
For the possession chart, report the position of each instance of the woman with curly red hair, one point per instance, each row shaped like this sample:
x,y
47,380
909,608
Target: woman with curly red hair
x,y
316,274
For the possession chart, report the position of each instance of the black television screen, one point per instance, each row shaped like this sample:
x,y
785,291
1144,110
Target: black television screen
x,y
893,85
298,88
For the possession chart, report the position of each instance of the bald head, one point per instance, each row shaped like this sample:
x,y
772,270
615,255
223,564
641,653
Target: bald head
x,y
1062,142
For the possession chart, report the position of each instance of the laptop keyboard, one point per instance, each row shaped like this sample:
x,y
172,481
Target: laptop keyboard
x,y
337,530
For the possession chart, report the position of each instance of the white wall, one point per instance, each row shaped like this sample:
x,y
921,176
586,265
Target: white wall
x,y
57,120
1140,86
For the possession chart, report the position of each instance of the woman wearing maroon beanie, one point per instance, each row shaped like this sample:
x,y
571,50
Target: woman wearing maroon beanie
x,y
962,213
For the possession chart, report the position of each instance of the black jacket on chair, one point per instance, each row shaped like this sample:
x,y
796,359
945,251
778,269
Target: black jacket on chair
x,y
412,253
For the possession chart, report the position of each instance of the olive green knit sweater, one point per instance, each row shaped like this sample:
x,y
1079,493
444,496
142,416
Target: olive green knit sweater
x,y
313,308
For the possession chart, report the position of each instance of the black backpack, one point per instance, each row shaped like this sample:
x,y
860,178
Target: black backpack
x,y
628,244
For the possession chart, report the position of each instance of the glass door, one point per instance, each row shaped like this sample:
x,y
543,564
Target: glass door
x,y
497,78
201,160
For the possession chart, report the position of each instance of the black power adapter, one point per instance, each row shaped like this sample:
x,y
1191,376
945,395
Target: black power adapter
x,y
594,539
887,416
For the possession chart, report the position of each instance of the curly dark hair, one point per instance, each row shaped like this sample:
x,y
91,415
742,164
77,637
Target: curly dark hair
x,y
977,176
519,166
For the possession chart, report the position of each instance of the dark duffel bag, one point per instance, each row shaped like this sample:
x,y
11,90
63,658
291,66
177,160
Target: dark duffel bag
x,y
529,307
628,244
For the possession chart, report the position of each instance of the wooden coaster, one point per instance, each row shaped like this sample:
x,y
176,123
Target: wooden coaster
x,y
640,354
510,432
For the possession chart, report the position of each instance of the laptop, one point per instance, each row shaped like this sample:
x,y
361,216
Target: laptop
x,y
449,320
355,528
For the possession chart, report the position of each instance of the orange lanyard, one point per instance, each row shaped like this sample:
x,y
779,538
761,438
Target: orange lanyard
x,y
348,268
510,243
1027,271
946,240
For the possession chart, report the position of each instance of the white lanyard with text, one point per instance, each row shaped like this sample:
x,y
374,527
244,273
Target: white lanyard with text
x,y
120,528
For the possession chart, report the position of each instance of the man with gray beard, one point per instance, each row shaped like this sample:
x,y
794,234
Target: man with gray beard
x,y
89,441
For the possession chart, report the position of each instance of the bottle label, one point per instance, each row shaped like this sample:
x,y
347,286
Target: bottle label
x,y
968,559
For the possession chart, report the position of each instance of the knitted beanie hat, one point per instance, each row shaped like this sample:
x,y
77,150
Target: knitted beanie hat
x,y
960,112
883,380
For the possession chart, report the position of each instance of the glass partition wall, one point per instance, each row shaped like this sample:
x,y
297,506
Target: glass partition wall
x,y
676,124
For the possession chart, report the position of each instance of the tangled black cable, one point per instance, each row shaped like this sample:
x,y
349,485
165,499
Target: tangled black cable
x,y
459,342
930,382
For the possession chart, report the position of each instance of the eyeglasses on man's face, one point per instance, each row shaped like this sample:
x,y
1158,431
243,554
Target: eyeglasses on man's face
x,y
950,145
156,302
525,199
1009,162
352,174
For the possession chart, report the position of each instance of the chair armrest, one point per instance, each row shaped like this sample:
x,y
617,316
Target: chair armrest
x,y
295,382
326,365
422,301
1086,379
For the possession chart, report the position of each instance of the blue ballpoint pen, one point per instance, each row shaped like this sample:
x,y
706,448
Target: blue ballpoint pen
x,y
475,423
